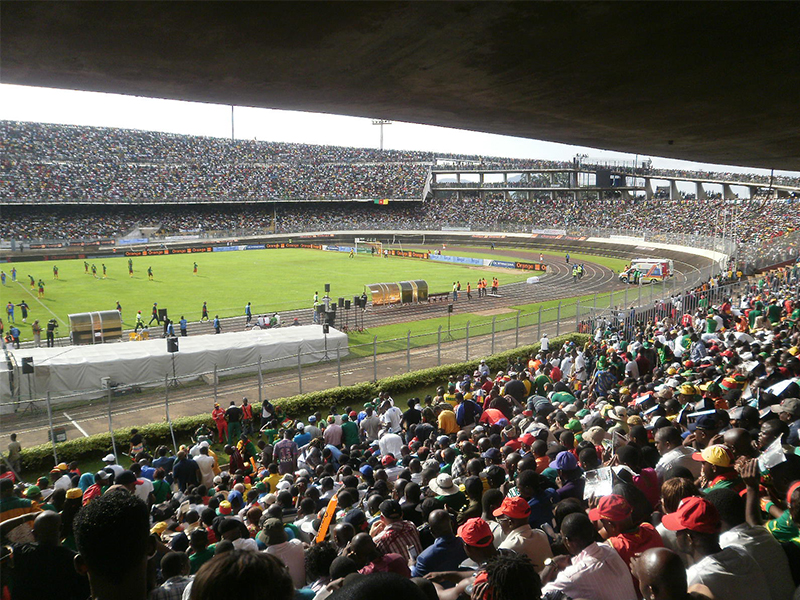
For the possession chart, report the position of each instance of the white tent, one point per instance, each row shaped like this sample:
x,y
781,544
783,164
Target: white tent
x,y
80,371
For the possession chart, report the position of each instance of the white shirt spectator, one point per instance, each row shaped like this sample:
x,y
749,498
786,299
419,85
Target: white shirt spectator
x,y
390,443
730,573
678,457
143,489
597,572
391,418
206,464
293,556
759,544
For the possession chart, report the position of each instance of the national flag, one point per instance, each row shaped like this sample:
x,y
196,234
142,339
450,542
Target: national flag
x,y
382,201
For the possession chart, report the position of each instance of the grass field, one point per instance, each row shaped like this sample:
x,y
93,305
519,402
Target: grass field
x,y
272,280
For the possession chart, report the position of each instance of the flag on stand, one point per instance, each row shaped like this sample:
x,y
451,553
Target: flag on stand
x,y
381,201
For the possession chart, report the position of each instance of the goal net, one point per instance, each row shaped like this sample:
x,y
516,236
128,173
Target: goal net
x,y
370,248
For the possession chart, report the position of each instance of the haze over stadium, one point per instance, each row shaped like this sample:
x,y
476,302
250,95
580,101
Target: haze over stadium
x,y
604,404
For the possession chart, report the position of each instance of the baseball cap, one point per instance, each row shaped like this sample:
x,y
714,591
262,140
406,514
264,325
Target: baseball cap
x,y
565,461
365,470
356,518
695,514
492,454
788,405
74,493
391,509
716,454
611,508
514,508
708,422
224,508
33,491
109,458
273,523
301,426
476,532
388,460
312,419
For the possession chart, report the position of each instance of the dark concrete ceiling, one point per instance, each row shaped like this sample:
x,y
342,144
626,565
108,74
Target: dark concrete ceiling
x,y
711,81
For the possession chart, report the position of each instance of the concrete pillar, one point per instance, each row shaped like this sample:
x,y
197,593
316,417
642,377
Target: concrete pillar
x,y
626,194
727,192
552,196
458,177
505,178
700,192
648,188
753,190
674,192
480,178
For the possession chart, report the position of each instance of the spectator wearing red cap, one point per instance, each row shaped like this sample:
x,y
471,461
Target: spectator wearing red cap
x,y
513,516
729,572
479,546
613,513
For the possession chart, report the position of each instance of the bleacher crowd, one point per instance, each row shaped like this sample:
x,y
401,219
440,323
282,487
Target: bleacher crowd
x,y
656,458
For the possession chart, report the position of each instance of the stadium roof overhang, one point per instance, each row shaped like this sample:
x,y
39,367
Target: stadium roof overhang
x,y
713,82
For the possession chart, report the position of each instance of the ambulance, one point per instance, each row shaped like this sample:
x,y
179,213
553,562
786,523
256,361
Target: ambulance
x,y
647,270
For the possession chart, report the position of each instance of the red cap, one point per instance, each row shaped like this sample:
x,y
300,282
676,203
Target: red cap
x,y
476,532
527,439
694,513
352,414
388,460
611,508
514,508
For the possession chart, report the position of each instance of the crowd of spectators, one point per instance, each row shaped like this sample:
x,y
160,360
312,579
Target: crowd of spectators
x,y
744,222
659,459
47,164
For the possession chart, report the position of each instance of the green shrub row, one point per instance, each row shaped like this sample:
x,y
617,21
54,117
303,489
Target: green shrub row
x,y
38,458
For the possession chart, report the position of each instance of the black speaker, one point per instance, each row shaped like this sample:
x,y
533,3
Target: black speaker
x,y
162,314
449,308
326,328
330,317
172,344
347,304
327,287
27,365
341,302
356,301
320,308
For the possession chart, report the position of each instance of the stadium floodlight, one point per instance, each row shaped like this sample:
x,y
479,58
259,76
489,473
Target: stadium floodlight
x,y
381,123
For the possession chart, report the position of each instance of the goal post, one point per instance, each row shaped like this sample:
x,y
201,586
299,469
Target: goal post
x,y
369,248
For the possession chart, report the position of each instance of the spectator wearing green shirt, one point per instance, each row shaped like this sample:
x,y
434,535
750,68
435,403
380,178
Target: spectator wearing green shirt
x,y
201,551
350,434
774,311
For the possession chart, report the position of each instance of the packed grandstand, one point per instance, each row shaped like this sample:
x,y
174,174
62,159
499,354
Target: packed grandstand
x,y
652,456
44,165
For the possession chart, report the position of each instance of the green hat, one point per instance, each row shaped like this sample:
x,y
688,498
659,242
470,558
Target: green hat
x,y
582,413
574,425
33,491
261,487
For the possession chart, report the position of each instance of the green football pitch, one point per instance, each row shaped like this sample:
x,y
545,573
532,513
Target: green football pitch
x,y
272,280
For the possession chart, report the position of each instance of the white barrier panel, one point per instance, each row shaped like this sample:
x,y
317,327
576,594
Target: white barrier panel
x,y
78,369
